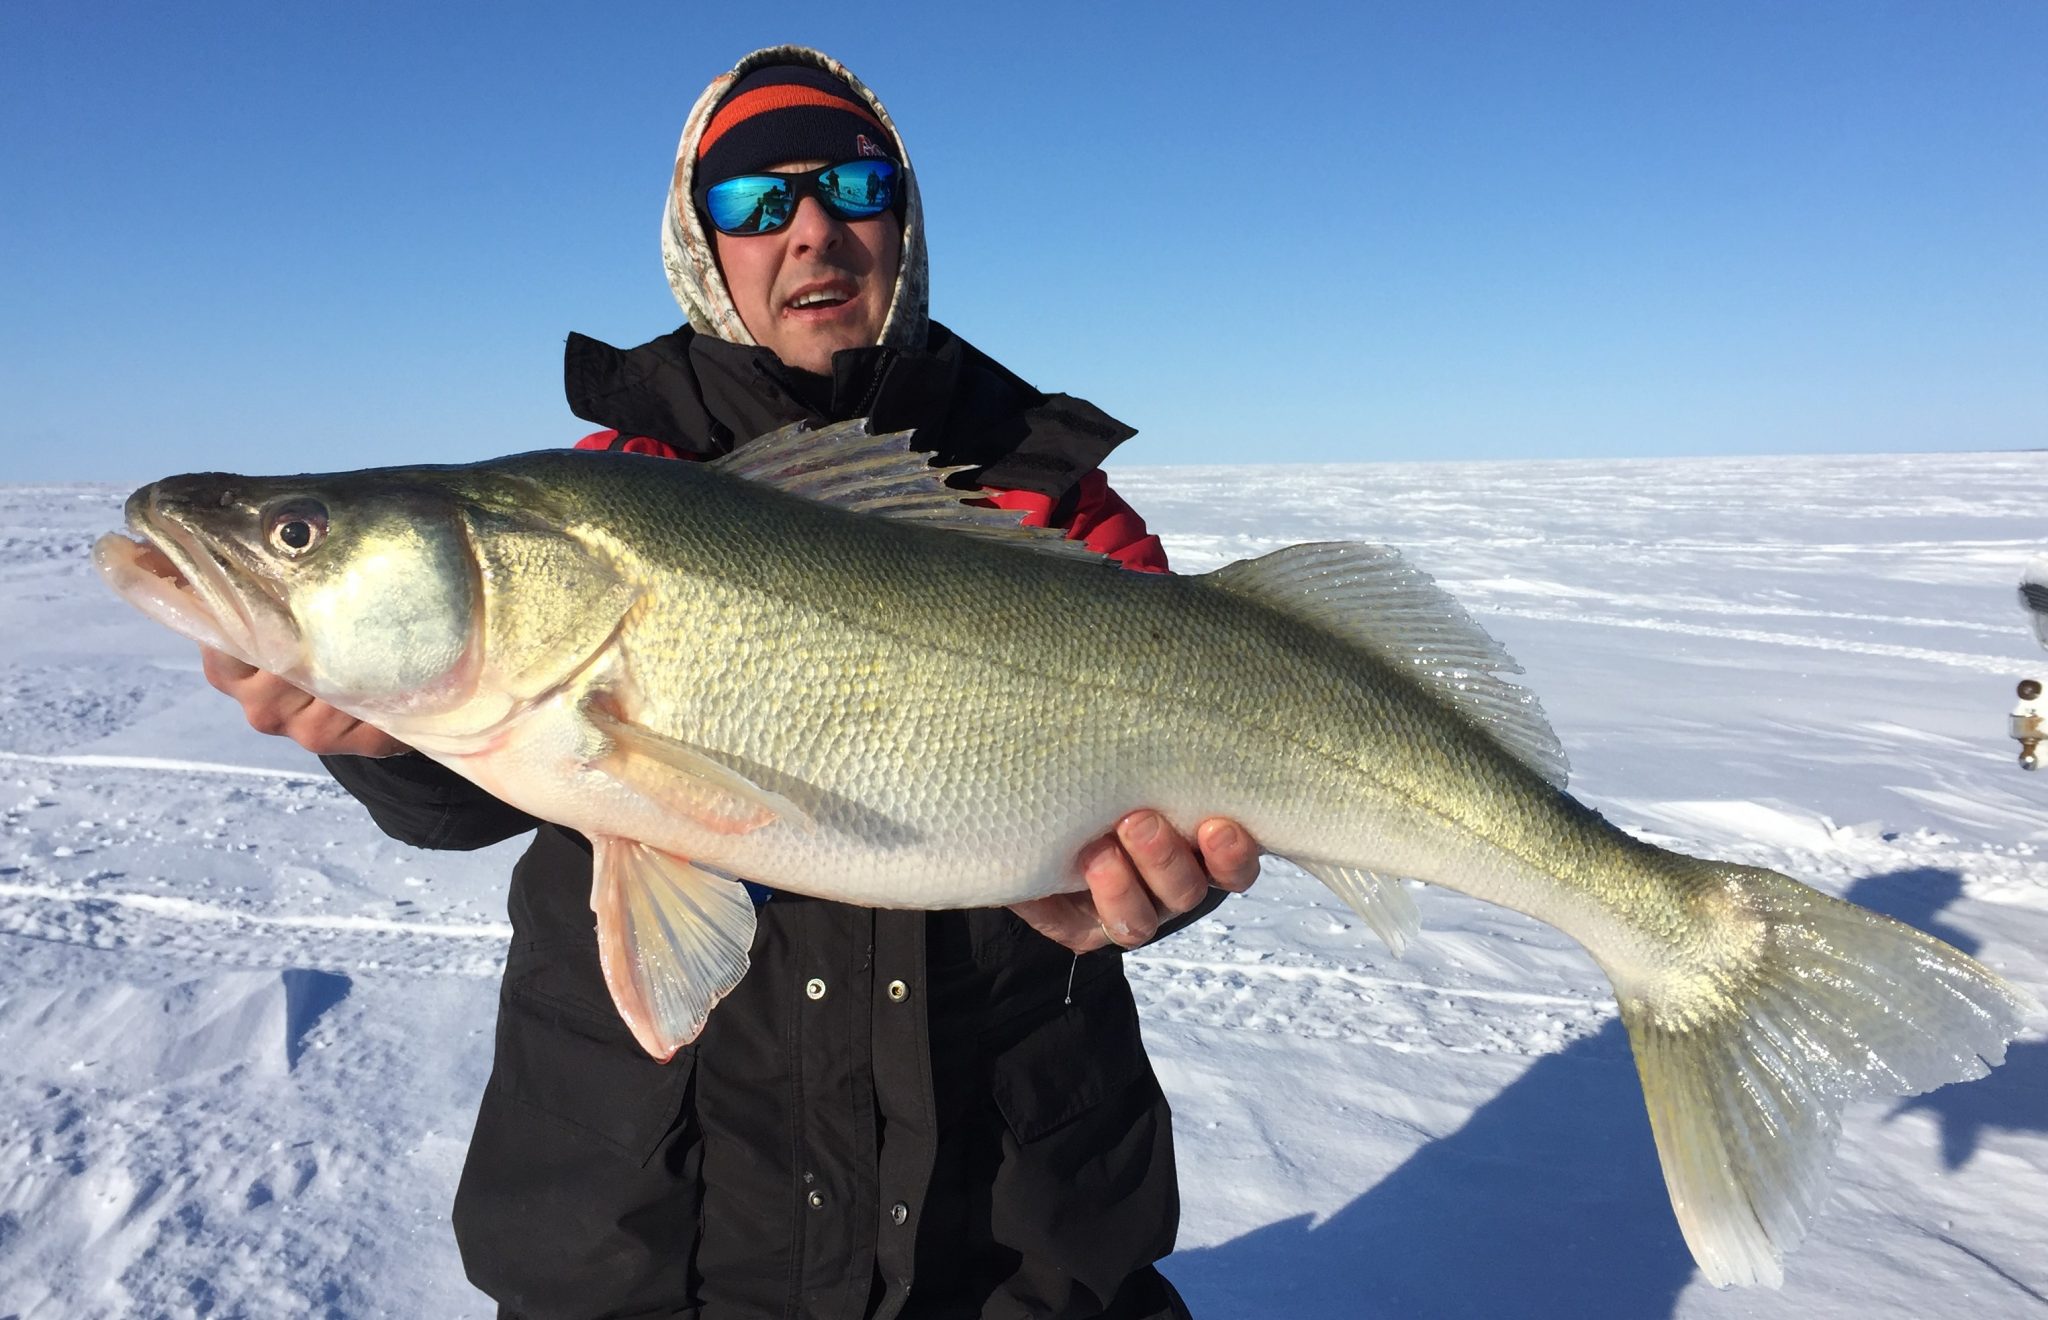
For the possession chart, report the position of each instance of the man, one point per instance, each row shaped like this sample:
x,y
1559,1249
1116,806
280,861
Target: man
x,y
896,1113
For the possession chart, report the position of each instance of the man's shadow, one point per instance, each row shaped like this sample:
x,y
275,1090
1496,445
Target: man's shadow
x,y
1548,1202
2015,1096
1916,897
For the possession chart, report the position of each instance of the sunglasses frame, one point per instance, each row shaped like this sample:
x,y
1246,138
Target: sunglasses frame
x,y
802,184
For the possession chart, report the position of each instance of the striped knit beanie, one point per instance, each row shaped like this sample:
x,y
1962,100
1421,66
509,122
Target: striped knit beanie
x,y
788,112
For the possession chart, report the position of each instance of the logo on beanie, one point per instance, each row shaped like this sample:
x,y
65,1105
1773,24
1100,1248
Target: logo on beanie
x,y
862,146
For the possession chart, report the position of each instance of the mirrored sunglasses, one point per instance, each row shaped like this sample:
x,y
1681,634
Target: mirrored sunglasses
x,y
764,203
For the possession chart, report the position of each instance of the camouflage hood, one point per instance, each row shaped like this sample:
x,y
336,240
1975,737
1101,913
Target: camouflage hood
x,y
686,250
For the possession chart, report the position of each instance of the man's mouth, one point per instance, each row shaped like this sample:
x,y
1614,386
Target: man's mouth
x,y
822,297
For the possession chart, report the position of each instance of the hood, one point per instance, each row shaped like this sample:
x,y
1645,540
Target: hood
x,y
692,264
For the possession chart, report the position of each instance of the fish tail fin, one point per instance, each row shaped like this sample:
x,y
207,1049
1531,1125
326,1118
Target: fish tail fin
x,y
1745,1070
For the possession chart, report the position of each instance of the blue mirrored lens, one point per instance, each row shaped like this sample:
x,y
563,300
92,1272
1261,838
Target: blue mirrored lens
x,y
859,189
750,204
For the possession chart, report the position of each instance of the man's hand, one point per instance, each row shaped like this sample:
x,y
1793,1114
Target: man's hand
x,y
272,705
1140,876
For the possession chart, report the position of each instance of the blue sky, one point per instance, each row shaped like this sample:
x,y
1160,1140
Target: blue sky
x,y
275,236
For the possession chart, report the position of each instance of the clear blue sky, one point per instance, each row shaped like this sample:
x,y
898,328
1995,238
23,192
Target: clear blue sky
x,y
277,236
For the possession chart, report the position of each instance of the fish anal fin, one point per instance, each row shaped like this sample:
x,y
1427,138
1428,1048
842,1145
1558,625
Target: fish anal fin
x,y
672,938
684,779
1385,903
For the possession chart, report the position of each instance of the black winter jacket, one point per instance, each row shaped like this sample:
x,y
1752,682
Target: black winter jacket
x,y
896,1113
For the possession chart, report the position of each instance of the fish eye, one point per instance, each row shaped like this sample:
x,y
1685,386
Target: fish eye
x,y
296,527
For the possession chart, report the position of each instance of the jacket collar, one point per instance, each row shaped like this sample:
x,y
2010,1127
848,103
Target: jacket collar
x,y
703,396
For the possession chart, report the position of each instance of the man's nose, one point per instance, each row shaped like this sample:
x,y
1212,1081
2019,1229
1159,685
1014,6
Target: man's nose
x,y
814,226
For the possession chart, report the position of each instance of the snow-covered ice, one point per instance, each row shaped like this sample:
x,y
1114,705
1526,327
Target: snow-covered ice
x,y
242,1035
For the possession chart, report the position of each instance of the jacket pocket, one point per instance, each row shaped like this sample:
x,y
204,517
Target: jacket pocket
x,y
1085,1189
1053,1072
563,1050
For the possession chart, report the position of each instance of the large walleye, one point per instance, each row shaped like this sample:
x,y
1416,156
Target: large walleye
x,y
792,665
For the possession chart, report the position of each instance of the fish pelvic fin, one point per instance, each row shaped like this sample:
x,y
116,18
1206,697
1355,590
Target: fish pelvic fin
x,y
672,939
1746,1070
1384,903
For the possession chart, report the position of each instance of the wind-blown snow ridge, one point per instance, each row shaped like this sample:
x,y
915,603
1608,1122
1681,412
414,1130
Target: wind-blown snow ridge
x,y
1697,604
185,909
1983,664
99,762
1165,966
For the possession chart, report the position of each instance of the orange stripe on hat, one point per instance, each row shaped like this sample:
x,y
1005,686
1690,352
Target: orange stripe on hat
x,y
781,96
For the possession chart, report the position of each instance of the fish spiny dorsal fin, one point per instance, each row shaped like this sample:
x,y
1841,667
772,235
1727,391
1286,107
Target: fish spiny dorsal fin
x,y
1370,596
847,465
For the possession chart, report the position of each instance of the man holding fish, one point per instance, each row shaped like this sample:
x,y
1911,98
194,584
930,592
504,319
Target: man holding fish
x,y
896,1112
813,662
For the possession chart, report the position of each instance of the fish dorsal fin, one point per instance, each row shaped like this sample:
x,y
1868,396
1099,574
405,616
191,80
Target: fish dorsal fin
x,y
1371,597
846,464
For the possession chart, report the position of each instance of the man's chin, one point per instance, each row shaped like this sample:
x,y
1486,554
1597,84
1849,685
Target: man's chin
x,y
813,352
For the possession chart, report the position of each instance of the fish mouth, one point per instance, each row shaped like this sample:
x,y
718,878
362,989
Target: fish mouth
x,y
167,572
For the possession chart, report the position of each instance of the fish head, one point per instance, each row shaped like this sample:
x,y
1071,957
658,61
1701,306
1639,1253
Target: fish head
x,y
360,588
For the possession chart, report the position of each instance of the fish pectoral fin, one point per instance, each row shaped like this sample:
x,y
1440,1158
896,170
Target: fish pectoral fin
x,y
672,939
1385,903
686,780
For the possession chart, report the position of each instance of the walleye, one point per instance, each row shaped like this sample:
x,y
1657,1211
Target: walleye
x,y
815,665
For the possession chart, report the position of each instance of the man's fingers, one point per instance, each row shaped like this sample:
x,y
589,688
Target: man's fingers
x,y
1140,875
223,670
1066,919
274,712
317,726
321,729
274,705
1228,853
363,740
1123,905
1166,866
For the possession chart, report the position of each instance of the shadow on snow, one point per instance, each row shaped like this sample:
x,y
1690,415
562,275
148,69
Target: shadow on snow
x,y
2015,1096
308,994
1547,1203
1916,897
